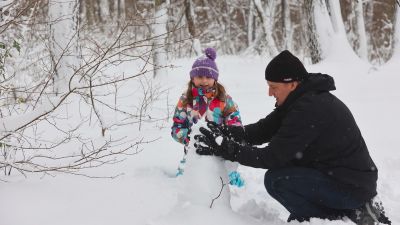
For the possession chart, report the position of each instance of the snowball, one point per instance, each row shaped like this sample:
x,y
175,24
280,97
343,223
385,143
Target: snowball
x,y
219,140
299,155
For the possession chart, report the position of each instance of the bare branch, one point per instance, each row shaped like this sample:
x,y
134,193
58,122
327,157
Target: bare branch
x,y
220,191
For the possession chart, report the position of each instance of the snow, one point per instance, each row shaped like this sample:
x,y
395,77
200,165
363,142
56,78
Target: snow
x,y
148,191
5,3
219,140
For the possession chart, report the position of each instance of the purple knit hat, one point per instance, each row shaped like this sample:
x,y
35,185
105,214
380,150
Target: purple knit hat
x,y
205,65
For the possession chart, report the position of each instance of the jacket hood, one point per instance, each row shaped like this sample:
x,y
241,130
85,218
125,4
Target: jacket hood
x,y
317,82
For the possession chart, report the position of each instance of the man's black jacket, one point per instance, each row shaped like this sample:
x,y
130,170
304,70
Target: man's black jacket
x,y
313,129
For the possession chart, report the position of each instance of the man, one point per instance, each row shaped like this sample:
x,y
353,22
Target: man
x,y
318,163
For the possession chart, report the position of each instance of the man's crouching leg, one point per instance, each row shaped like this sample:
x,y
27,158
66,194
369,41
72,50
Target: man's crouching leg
x,y
308,193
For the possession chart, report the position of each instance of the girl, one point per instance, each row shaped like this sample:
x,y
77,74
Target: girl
x,y
205,97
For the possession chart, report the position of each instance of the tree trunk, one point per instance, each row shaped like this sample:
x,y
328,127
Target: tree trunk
x,y
353,18
362,48
266,28
63,15
379,28
119,10
130,6
396,49
89,12
111,9
159,30
287,26
313,44
190,20
332,14
250,25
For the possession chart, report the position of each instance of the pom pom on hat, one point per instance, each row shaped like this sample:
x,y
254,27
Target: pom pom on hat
x,y
205,65
285,68
210,53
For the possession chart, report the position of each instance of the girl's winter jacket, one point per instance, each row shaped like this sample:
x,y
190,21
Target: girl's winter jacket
x,y
204,104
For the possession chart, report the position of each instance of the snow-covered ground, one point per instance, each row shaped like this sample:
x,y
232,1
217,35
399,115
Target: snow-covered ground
x,y
148,192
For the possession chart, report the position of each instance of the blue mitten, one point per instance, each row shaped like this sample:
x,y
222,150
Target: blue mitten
x,y
235,179
181,166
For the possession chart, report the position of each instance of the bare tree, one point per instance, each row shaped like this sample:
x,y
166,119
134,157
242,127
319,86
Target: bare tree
x,y
286,22
190,18
34,132
313,43
362,46
353,18
266,24
396,49
159,31
63,16
250,23
380,20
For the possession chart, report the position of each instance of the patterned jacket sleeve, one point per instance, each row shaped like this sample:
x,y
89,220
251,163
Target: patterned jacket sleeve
x,y
180,127
231,113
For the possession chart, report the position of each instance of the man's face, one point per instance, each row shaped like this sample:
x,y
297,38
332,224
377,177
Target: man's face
x,y
280,91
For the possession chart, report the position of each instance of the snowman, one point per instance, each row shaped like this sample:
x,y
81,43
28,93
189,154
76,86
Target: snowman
x,y
203,195
205,180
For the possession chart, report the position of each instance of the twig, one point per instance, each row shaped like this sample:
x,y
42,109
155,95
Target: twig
x,y
103,128
222,187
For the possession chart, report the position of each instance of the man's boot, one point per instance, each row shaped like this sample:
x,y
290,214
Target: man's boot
x,y
371,213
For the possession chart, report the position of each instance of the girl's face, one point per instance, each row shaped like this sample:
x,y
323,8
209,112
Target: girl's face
x,y
203,81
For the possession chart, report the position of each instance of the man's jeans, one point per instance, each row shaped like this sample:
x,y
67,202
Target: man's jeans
x,y
307,193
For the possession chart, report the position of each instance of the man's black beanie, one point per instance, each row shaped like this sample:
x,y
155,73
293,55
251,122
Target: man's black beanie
x,y
285,68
